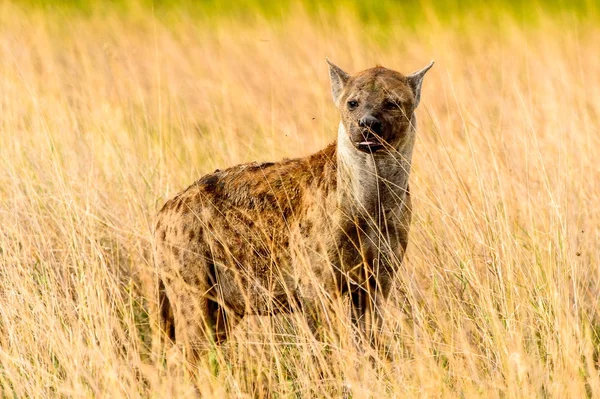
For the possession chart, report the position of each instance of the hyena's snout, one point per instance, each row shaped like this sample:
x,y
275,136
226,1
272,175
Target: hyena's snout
x,y
370,124
368,137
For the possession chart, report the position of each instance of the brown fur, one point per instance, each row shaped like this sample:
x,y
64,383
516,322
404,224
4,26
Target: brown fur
x,y
253,239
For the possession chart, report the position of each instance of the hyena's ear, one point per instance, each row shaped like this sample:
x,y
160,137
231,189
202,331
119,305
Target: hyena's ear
x,y
339,79
415,80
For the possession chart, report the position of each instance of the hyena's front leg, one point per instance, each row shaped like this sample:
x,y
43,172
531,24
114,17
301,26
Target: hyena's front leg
x,y
368,303
313,313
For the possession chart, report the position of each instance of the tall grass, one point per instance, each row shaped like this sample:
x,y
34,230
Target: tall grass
x,y
106,112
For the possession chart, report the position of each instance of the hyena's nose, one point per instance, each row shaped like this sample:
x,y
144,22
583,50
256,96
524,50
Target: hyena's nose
x,y
371,123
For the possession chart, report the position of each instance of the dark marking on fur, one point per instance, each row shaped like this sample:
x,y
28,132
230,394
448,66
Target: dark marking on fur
x,y
209,180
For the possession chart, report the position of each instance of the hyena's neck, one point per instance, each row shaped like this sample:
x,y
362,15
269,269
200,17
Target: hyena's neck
x,y
371,183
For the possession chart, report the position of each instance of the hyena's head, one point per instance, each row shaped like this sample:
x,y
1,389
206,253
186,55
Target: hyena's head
x,y
377,105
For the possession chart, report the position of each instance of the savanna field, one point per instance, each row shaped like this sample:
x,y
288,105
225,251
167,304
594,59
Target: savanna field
x,y
107,109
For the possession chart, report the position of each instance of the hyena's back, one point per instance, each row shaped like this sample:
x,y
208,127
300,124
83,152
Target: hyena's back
x,y
226,238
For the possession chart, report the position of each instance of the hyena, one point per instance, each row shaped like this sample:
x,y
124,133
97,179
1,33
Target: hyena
x,y
264,238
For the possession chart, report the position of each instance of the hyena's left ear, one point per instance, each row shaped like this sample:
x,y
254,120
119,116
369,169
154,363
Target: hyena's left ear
x,y
415,81
339,79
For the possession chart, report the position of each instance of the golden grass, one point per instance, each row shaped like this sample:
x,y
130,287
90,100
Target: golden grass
x,y
104,116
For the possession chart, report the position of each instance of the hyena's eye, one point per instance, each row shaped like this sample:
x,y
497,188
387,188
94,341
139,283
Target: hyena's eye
x,y
352,104
391,104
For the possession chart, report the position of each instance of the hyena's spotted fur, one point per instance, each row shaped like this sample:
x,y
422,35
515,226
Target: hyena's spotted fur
x,y
254,238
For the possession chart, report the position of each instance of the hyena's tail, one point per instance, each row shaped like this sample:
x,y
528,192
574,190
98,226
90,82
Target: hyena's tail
x,y
167,319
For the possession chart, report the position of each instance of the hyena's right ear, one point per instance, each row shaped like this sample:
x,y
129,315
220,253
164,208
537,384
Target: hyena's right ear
x,y
339,79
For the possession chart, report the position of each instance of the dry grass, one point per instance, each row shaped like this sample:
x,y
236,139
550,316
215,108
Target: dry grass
x,y
104,115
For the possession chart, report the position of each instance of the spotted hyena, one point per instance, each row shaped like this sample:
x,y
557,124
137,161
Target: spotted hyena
x,y
264,238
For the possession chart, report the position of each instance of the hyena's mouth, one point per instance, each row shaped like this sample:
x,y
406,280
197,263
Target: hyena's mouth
x,y
369,146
